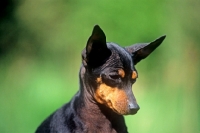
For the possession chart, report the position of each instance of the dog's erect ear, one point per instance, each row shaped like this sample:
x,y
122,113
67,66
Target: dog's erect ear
x,y
142,50
96,51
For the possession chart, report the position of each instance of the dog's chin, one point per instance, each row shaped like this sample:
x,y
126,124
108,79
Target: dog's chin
x,y
125,112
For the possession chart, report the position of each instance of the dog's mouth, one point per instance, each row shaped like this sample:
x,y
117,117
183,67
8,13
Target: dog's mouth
x,y
116,99
121,107
131,110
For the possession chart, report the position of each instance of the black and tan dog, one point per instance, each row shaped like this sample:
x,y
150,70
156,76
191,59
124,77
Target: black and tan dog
x,y
106,78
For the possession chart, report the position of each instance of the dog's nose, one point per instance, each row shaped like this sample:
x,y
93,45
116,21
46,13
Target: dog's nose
x,y
133,107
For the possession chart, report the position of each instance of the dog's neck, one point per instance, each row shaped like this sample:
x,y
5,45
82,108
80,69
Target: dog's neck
x,y
96,117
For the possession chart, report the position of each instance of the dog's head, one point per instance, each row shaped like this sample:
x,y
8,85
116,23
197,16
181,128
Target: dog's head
x,y
111,70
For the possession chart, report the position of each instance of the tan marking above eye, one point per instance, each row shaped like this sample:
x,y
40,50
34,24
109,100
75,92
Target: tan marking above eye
x,y
134,75
121,73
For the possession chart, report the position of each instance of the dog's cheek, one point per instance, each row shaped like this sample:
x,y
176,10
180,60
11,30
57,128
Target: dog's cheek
x,y
101,94
120,101
114,98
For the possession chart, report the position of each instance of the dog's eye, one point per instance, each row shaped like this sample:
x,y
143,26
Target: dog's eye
x,y
115,76
111,79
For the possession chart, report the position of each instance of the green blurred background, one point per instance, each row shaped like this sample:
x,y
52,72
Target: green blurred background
x,y
40,55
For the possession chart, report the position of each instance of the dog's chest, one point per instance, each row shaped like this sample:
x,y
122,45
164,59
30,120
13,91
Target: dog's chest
x,y
99,128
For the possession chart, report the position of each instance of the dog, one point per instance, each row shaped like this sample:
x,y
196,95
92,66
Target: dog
x,y
106,77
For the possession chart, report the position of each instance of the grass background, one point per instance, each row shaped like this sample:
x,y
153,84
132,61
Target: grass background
x,y
40,56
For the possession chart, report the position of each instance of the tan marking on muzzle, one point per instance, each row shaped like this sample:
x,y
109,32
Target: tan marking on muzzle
x,y
134,75
121,73
113,97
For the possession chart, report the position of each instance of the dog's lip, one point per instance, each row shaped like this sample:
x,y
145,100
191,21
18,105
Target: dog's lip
x,y
129,112
119,113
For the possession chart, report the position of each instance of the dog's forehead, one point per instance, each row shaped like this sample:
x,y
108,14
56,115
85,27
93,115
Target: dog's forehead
x,y
120,57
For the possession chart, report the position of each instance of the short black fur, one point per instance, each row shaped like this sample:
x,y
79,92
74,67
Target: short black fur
x,y
101,63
